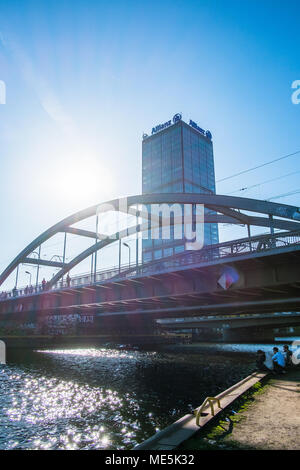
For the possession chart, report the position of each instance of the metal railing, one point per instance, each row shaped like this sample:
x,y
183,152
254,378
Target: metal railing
x,y
78,280
211,400
211,253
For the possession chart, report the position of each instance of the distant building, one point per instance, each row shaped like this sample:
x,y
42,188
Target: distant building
x,y
177,158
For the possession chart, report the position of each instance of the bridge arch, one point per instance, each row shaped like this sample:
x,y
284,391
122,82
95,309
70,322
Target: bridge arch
x,y
227,210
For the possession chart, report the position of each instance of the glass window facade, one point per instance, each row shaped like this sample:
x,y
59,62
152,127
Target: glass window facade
x,y
162,162
178,159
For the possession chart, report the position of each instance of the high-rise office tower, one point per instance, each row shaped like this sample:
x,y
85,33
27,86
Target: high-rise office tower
x,y
177,158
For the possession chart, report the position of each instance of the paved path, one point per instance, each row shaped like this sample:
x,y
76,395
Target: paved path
x,y
272,421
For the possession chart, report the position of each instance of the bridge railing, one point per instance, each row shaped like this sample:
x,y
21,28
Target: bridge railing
x,y
260,243
79,280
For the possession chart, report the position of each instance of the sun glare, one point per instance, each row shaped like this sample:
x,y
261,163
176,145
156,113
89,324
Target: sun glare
x,y
79,178
82,181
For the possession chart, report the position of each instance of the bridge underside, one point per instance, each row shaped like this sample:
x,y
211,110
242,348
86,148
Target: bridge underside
x,y
273,320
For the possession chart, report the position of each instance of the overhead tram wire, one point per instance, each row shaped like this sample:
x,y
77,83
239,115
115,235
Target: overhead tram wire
x,y
258,166
246,188
291,193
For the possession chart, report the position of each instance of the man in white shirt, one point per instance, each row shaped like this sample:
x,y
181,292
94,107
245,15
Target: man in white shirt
x,y
278,361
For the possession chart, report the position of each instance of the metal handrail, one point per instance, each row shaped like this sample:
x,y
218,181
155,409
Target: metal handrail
x,y
211,401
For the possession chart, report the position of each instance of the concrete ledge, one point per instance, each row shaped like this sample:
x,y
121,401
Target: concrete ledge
x,y
178,432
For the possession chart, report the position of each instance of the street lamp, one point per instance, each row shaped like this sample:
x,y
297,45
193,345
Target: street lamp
x,y
27,272
126,244
60,259
57,256
38,266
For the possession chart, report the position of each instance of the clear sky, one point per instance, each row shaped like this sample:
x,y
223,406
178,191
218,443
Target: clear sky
x,y
85,79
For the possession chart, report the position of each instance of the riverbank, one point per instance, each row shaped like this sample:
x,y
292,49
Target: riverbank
x,y
266,419
183,429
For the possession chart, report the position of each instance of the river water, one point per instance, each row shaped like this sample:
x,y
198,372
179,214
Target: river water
x,y
100,398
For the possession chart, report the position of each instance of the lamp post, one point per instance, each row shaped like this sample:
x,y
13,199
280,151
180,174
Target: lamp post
x,y
57,256
17,276
64,252
38,266
120,254
126,244
60,259
27,272
95,255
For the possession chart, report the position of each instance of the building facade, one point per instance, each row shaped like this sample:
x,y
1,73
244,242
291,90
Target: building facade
x,y
177,158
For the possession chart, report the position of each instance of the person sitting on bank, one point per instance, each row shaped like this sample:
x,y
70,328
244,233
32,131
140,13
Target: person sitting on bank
x,y
260,361
287,353
278,361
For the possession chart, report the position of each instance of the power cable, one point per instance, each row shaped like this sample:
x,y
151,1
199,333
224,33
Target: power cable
x,y
296,191
264,182
258,166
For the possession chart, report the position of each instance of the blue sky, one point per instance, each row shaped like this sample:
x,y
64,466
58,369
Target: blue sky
x,y
85,79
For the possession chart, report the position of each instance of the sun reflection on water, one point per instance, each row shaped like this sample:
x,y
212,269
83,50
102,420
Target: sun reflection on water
x,y
91,352
65,414
100,398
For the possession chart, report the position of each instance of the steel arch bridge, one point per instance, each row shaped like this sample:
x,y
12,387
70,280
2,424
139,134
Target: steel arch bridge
x,y
220,209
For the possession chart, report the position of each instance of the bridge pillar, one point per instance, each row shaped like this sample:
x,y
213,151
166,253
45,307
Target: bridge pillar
x,y
248,335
